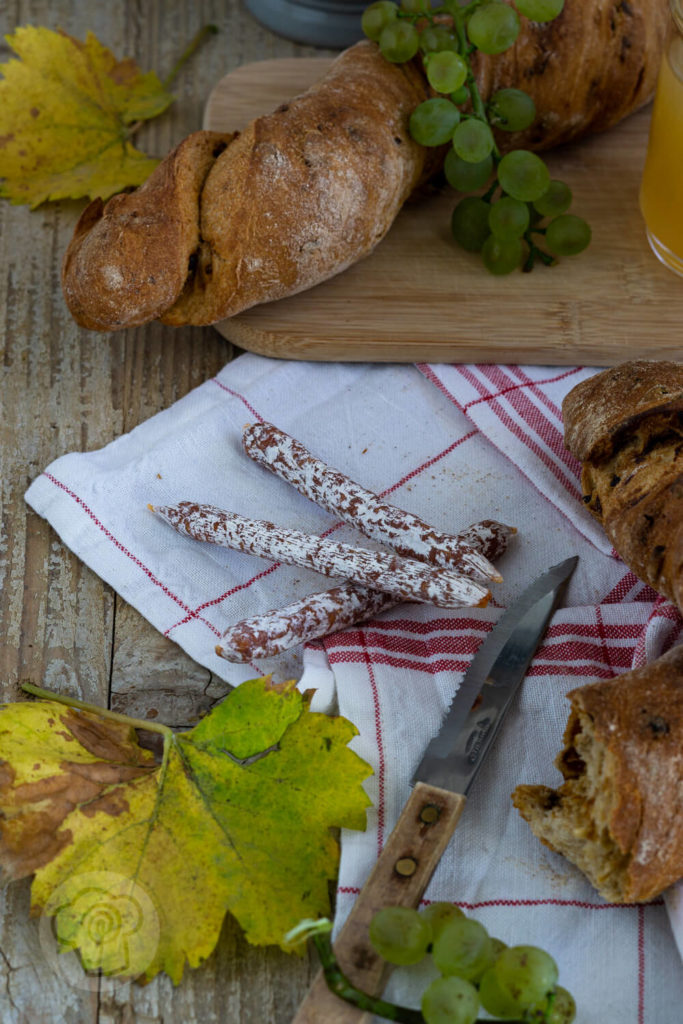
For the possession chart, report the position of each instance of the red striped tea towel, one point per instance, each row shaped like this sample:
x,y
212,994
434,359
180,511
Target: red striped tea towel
x,y
454,445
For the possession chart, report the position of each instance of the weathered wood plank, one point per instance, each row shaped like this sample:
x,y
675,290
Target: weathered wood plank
x,y
65,389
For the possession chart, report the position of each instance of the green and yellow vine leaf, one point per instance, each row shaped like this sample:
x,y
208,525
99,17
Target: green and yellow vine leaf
x,y
66,111
137,862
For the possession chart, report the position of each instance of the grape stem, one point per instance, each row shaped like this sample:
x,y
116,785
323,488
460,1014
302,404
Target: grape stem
x,y
466,49
535,253
338,983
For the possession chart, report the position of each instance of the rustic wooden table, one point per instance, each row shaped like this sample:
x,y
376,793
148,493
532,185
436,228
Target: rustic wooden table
x,y
66,389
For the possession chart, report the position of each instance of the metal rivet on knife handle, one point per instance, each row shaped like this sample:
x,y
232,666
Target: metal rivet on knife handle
x,y
429,814
406,866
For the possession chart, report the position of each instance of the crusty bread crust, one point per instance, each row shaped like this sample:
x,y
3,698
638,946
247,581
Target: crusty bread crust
x,y
617,815
585,70
308,190
297,197
626,426
129,259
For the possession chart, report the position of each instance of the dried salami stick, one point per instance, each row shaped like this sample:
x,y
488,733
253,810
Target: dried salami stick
x,y
276,631
409,535
315,615
406,579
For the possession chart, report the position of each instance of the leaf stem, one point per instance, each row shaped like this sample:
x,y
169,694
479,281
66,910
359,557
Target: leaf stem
x,y
115,716
191,47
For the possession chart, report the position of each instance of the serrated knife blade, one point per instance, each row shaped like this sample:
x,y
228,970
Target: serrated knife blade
x,y
441,782
454,756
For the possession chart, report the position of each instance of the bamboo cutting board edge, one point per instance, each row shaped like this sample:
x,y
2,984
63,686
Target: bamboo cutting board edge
x,y
418,298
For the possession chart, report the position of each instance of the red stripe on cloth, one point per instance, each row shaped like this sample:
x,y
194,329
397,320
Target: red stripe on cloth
x,y
506,385
357,657
352,890
381,766
626,584
124,550
549,432
576,650
429,463
236,394
424,628
221,597
613,630
393,642
537,385
426,370
507,422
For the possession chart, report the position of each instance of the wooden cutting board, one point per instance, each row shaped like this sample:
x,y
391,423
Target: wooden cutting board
x,y
418,297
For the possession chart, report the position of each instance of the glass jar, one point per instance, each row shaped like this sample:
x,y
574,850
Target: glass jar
x,y
661,190
330,23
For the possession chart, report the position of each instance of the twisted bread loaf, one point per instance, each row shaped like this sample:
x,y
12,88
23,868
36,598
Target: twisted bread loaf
x,y
297,197
626,426
226,221
617,814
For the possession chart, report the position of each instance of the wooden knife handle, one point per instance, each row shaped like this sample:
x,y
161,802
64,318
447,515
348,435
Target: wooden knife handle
x,y
399,878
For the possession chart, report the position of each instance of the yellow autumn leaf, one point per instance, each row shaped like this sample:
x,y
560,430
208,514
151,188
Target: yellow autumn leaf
x,y
138,862
66,108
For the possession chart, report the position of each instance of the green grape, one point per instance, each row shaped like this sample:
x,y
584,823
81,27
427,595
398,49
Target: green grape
x,y
494,1000
556,199
433,122
567,235
470,223
540,10
523,175
463,947
498,946
526,974
461,95
439,914
473,140
376,17
446,70
465,176
493,27
437,37
502,256
450,1001
512,110
509,218
563,1009
399,41
400,935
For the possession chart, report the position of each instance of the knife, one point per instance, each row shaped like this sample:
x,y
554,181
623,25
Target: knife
x,y
441,783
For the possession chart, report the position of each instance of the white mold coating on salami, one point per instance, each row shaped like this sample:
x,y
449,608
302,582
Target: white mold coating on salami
x,y
406,579
409,535
328,611
313,616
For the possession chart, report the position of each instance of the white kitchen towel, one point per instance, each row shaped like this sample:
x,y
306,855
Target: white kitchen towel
x,y
455,445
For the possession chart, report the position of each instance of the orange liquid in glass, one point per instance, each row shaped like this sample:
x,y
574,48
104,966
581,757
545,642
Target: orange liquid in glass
x,y
661,190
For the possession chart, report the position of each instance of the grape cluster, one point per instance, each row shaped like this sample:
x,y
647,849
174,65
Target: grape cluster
x,y
522,215
477,971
